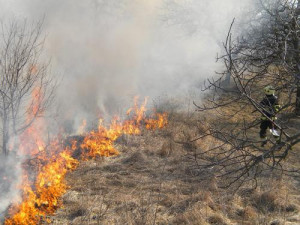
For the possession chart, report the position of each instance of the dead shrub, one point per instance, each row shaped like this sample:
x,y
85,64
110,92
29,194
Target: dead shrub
x,y
266,202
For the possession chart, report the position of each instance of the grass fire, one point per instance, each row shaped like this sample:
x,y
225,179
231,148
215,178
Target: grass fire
x,y
41,193
149,112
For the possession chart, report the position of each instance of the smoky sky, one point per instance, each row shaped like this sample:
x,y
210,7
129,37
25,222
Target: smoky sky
x,y
104,52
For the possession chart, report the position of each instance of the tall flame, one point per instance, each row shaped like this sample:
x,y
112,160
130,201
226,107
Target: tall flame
x,y
31,140
160,122
41,195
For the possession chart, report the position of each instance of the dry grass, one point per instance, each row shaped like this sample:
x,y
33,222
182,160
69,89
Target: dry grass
x,y
151,183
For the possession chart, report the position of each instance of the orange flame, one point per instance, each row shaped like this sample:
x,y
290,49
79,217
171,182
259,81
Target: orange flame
x,y
31,140
42,195
160,122
81,129
33,69
100,143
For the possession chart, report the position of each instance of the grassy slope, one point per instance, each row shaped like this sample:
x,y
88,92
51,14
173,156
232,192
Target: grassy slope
x,y
153,182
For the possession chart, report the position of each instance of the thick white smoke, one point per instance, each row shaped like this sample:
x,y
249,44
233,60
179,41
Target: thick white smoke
x,y
9,178
107,51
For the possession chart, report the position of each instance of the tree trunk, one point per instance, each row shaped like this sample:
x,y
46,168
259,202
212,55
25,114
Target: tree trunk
x,y
5,135
298,99
227,79
296,57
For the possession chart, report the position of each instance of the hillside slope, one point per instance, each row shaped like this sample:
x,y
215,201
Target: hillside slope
x,y
155,181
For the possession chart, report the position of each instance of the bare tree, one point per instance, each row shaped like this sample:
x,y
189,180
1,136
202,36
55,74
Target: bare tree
x,y
272,38
26,87
267,54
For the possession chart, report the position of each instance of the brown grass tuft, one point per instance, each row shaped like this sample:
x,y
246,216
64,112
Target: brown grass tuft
x,y
217,220
154,181
166,149
266,202
247,213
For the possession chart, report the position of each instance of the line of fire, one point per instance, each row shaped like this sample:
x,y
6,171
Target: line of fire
x,y
43,180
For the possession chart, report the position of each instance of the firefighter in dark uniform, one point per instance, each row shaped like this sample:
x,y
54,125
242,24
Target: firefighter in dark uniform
x,y
270,107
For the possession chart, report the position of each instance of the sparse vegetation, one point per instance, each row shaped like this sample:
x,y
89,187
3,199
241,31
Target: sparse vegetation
x,y
155,181
203,168
26,86
267,54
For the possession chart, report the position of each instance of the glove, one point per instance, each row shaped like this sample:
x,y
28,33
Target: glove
x,y
277,108
263,118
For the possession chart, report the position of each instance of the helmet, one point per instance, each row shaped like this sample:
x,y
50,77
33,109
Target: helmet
x,y
269,90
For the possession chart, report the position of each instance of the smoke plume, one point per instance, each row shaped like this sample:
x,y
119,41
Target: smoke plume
x,y
104,52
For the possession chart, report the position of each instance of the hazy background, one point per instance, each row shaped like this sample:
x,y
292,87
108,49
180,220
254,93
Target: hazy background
x,y
104,52
107,51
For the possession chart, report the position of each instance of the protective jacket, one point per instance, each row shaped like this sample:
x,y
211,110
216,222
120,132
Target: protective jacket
x,y
270,105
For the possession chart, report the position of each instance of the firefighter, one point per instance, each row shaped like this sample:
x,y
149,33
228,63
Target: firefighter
x,y
270,107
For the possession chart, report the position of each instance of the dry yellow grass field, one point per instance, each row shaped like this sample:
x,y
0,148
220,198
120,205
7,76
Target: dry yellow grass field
x,y
154,181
